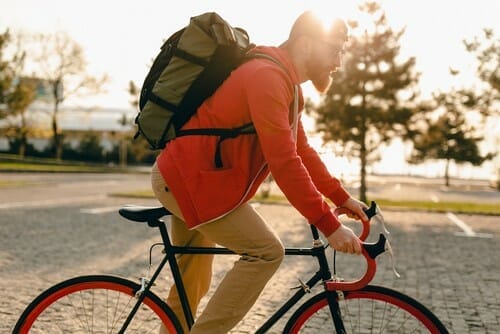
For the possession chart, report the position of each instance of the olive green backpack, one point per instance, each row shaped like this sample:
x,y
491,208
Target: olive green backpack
x,y
192,63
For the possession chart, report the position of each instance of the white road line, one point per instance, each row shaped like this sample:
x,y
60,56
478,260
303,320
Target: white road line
x,y
467,230
434,198
50,202
97,211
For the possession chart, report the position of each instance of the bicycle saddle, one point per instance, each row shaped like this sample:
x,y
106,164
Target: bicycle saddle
x,y
142,214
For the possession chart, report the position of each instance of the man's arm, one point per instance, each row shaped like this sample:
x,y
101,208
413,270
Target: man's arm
x,y
326,183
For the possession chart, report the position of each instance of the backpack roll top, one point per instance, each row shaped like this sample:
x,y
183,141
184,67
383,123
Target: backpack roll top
x,y
191,65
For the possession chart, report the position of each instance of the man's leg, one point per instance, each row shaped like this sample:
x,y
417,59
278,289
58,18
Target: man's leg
x,y
196,270
246,233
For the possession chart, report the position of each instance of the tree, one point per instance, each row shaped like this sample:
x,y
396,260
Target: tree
x,y
62,63
139,148
448,136
487,52
17,92
18,101
371,100
6,75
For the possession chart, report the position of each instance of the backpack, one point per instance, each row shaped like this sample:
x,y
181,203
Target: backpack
x,y
192,63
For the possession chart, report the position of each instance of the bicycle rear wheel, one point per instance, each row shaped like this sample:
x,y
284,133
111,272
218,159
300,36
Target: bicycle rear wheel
x,y
372,309
95,304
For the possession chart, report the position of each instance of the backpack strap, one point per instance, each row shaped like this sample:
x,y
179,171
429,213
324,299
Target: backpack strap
x,y
223,134
295,104
245,129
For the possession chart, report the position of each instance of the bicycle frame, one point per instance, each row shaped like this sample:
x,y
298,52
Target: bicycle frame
x,y
370,251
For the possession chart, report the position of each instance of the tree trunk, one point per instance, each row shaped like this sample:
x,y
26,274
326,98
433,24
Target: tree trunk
x,y
363,150
363,188
123,152
22,137
22,146
446,173
57,137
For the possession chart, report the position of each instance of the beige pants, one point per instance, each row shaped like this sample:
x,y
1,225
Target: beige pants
x,y
243,231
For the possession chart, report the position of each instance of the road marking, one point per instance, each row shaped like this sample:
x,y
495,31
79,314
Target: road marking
x,y
434,198
466,229
101,210
50,202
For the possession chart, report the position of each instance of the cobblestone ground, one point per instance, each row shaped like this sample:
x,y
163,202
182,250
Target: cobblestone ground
x,y
457,277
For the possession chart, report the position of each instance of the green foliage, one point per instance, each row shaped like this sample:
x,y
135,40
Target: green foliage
x,y
447,135
487,52
17,92
6,75
61,62
486,49
89,149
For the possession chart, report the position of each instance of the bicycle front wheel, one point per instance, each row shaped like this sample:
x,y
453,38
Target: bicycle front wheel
x,y
95,304
372,309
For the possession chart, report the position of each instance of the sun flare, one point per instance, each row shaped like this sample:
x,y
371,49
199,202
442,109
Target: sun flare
x,y
327,11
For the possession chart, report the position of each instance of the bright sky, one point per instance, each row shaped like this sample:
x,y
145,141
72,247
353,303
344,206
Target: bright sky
x,y
120,38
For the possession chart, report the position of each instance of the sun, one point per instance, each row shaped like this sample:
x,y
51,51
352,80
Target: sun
x,y
327,11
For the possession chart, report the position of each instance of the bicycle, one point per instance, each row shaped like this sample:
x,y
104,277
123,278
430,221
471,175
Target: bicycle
x,y
110,304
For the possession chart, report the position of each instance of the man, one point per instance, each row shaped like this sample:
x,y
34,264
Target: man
x,y
210,200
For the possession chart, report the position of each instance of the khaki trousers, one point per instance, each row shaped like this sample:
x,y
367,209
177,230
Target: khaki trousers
x,y
244,232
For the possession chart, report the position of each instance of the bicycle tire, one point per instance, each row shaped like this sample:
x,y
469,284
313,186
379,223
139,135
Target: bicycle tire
x,y
82,305
373,309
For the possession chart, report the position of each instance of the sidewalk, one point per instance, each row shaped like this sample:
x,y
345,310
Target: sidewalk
x,y
457,277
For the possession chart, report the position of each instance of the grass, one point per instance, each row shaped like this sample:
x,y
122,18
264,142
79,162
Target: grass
x,y
13,163
34,167
10,163
6,184
457,207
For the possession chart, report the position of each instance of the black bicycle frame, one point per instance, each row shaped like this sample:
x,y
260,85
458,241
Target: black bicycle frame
x,y
317,251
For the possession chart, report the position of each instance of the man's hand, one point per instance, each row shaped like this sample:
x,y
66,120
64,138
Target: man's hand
x,y
344,240
357,208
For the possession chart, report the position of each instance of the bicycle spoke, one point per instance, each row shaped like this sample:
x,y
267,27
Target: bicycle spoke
x,y
75,310
115,308
376,310
95,311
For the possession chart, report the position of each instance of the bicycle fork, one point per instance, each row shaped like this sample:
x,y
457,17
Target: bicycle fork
x,y
334,307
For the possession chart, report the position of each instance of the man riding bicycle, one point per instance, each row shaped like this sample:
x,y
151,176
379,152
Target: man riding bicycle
x,y
210,202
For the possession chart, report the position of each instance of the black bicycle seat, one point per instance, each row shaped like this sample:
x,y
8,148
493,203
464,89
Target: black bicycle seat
x,y
143,214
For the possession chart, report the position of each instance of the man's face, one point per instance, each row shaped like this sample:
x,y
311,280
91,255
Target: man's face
x,y
324,59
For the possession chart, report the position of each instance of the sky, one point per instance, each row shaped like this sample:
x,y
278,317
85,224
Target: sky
x,y
121,38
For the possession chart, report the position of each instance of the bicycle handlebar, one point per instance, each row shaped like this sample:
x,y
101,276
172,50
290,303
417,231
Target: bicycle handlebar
x,y
369,250
370,212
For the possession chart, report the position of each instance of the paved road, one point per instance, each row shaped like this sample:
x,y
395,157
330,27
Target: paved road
x,y
65,225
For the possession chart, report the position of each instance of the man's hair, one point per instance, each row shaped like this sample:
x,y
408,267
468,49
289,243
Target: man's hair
x,y
308,24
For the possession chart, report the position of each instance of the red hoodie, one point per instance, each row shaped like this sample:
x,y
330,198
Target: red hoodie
x,y
259,91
